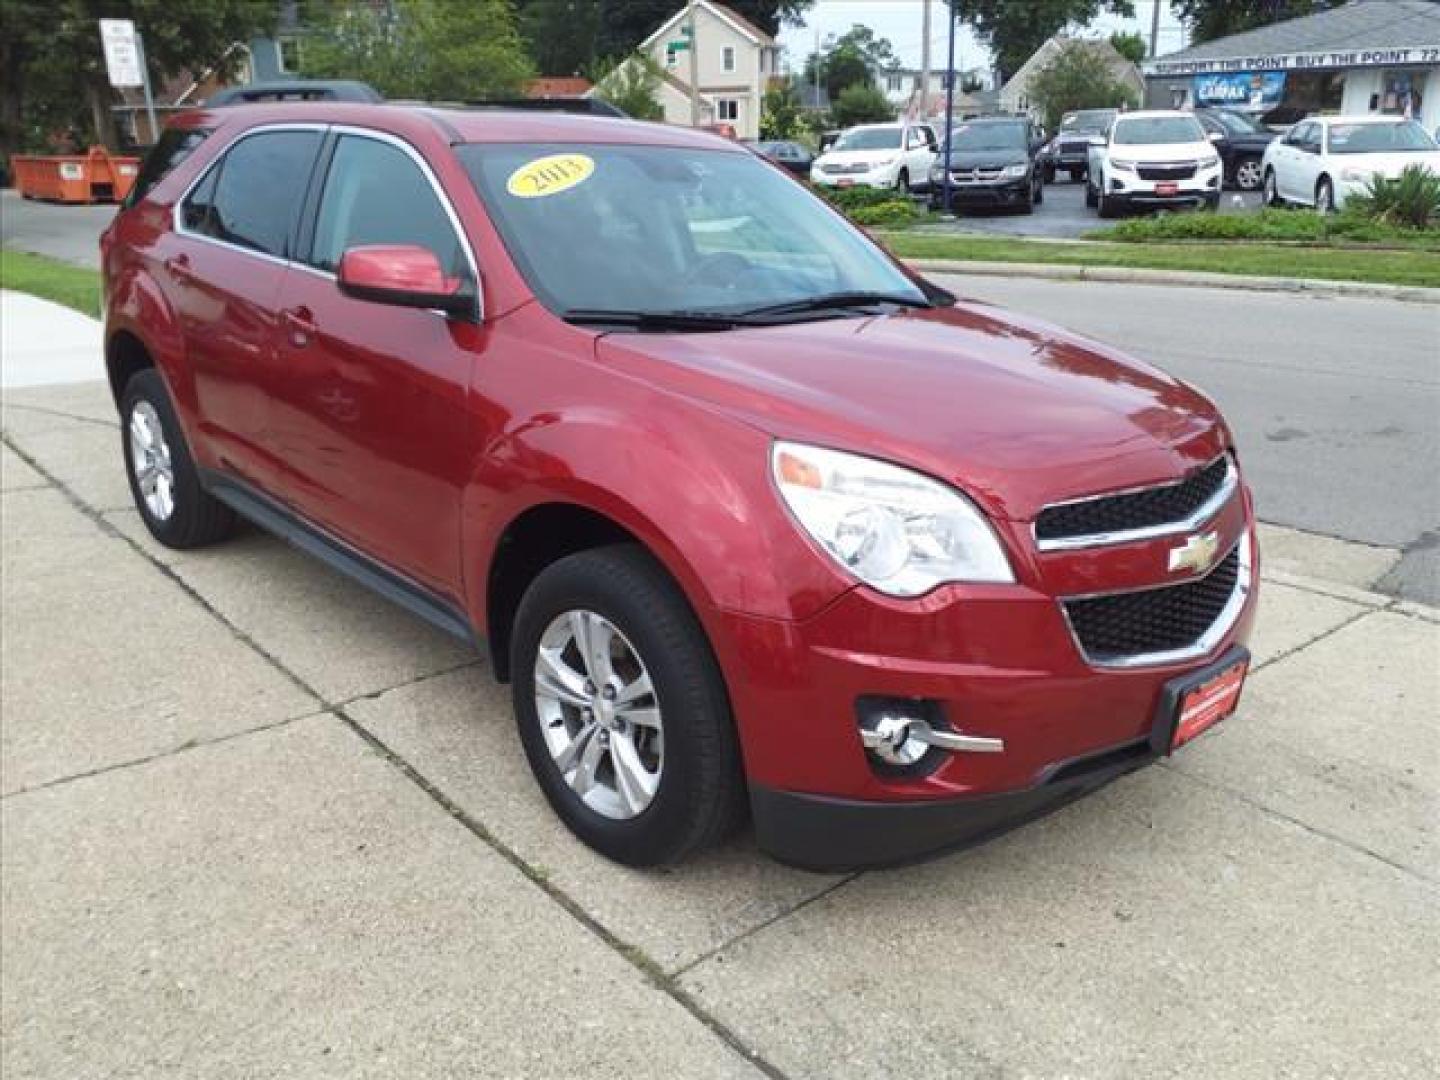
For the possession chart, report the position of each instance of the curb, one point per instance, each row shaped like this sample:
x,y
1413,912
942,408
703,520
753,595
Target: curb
x,y
1414,294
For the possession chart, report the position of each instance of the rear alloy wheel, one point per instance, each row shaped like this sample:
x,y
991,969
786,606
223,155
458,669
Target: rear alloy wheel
x,y
163,480
1324,196
621,708
1247,174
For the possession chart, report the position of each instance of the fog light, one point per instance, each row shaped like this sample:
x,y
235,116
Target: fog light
x,y
899,734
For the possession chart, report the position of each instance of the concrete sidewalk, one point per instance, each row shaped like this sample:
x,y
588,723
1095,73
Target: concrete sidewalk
x,y
256,821
43,343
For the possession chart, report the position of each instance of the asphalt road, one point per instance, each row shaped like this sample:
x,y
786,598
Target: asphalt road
x,y
1335,402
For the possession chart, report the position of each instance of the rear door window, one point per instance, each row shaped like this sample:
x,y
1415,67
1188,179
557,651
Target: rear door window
x,y
252,196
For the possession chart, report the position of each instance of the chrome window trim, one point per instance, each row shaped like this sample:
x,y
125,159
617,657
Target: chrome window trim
x,y
1201,516
338,129
1206,643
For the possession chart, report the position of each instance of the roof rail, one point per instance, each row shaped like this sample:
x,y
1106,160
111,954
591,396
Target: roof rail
x,y
296,90
584,106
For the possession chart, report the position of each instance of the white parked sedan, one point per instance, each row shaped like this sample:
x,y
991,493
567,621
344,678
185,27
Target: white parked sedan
x,y
1323,161
895,156
1152,159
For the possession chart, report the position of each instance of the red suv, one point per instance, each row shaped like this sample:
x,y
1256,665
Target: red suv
x,y
749,515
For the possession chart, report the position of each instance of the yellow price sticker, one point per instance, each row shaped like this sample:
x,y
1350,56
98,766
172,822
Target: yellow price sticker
x,y
549,175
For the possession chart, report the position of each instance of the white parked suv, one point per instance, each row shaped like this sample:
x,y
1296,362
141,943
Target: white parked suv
x,y
1323,161
1152,159
895,156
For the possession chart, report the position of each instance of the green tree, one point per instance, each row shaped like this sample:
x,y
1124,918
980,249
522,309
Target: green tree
x,y
1015,30
855,58
780,112
861,104
1077,78
52,71
431,49
632,86
1129,45
1211,19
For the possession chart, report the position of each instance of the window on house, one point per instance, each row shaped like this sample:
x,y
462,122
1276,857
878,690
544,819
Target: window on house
x,y
728,110
727,58
892,83
289,54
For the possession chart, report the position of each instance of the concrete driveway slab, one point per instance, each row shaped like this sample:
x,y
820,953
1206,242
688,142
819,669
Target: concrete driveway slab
x,y
340,638
1290,617
105,660
83,455
288,904
1343,737
86,400
1159,929
15,474
459,732
1291,551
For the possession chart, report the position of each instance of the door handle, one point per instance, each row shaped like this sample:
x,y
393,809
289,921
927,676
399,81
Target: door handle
x,y
299,325
178,266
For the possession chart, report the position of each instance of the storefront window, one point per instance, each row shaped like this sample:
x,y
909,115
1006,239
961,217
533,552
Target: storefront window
x,y
1401,92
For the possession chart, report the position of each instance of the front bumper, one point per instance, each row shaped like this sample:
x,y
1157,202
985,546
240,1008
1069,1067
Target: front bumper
x,y
882,178
999,662
1130,190
1000,193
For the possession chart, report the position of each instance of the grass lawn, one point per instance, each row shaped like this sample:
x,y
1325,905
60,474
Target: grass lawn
x,y
1326,263
73,286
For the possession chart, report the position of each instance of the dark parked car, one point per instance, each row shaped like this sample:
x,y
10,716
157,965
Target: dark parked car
x,y
992,164
790,156
1069,150
1241,143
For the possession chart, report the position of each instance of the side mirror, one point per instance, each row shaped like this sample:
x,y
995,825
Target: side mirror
x,y
1097,140
405,275
1215,136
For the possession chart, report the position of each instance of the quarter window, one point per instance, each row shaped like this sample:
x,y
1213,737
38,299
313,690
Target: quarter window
x,y
252,197
376,194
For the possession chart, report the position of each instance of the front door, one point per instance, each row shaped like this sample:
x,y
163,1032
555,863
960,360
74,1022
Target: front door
x,y
368,409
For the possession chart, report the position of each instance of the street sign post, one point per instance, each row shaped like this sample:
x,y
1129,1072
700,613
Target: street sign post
x,y
125,62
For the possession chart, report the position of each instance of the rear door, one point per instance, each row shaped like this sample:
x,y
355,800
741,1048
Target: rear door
x,y
368,406
223,267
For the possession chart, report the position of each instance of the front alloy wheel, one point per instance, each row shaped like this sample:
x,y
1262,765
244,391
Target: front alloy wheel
x,y
599,714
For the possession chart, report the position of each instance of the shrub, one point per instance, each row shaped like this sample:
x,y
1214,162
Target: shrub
x,y
892,214
1411,200
1269,225
853,198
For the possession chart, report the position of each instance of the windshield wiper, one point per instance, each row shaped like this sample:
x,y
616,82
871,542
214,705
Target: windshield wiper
x,y
652,320
832,302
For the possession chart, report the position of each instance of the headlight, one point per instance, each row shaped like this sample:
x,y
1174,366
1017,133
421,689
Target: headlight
x,y
1122,165
1014,172
1209,162
896,530
1355,176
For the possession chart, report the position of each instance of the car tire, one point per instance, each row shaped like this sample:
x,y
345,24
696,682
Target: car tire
x,y
1106,207
902,182
696,792
1039,193
1211,204
1270,191
173,504
1247,174
1325,196
1049,174
1076,175
1092,197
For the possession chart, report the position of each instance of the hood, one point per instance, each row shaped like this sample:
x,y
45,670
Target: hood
x,y
984,159
1157,152
1016,413
856,157
1390,165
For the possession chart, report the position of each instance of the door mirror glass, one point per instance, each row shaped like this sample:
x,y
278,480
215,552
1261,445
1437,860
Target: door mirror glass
x,y
405,275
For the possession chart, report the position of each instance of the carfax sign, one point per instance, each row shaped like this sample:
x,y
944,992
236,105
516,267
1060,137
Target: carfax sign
x,y
1246,89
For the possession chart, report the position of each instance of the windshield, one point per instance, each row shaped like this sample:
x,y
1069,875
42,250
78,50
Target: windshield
x,y
989,137
1400,136
1238,123
1094,120
876,138
670,229
1152,130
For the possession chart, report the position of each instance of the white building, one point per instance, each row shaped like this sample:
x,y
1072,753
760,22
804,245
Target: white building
x,y
1366,57
735,61
1015,94
901,87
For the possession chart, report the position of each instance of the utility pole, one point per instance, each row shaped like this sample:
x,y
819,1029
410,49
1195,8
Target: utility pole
x,y
694,66
949,105
1155,31
924,57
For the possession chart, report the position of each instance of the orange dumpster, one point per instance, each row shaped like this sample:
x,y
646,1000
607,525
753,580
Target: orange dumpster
x,y
97,176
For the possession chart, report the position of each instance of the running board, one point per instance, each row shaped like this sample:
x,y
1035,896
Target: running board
x,y
290,527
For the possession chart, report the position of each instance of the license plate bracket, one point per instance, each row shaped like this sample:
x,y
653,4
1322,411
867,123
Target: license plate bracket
x,y
1192,704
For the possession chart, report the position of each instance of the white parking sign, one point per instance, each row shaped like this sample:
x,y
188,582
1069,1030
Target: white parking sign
x,y
122,56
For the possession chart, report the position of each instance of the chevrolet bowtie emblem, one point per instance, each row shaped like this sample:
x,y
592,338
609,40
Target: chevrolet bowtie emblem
x,y
1195,554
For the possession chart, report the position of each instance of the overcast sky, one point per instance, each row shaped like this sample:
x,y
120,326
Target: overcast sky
x,y
899,21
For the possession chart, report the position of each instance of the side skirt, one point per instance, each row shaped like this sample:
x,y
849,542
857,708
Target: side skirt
x,y
273,517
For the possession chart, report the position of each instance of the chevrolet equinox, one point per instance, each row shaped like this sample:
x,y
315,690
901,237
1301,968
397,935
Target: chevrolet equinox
x,y
752,518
